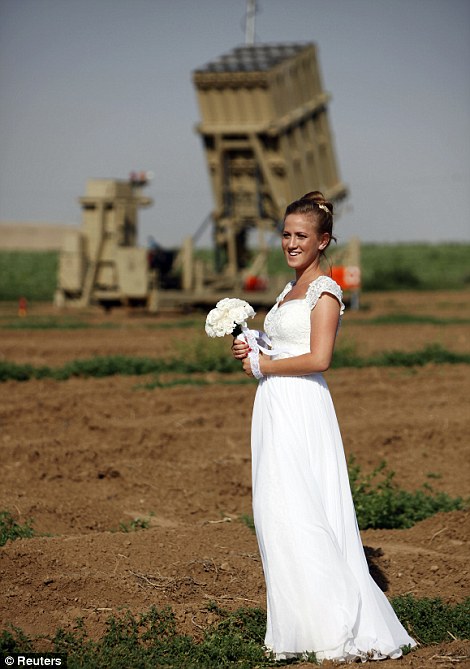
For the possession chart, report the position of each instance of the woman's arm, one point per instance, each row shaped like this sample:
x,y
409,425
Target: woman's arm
x,y
324,324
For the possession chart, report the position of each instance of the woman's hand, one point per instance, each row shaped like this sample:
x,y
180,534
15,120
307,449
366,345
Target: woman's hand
x,y
247,366
264,362
240,349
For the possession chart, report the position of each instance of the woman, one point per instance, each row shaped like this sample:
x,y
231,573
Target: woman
x,y
320,596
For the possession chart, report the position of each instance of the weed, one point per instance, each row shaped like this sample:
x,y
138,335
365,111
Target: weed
x,y
248,520
14,640
235,641
380,503
431,620
134,525
10,529
151,640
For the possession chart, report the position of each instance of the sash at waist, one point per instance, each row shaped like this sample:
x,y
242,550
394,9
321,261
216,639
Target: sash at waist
x,y
290,352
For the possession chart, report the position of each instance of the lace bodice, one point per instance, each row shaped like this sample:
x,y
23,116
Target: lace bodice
x,y
288,324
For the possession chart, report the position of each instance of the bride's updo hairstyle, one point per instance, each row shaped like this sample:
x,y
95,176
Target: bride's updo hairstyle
x,y
318,209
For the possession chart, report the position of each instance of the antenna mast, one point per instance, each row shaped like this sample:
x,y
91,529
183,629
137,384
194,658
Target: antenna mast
x,y
250,21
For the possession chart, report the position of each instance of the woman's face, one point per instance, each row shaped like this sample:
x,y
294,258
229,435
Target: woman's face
x,y
301,242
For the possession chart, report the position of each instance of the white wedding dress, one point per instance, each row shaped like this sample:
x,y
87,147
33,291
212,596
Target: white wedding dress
x,y
320,596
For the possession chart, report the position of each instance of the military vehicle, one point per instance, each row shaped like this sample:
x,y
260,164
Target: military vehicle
x,y
267,139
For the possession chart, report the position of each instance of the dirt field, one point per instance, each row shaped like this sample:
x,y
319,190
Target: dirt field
x,y
82,456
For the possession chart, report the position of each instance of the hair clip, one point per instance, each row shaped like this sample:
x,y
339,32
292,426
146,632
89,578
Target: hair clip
x,y
324,207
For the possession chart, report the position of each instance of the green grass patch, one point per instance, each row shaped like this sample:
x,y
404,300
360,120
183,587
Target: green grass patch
x,y
10,529
30,274
234,641
431,620
345,356
432,353
203,360
422,266
381,504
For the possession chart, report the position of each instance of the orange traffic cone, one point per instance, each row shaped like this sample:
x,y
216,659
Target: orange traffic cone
x,y
22,307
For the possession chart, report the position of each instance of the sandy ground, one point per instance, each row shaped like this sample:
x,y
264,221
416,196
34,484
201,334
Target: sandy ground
x,y
82,456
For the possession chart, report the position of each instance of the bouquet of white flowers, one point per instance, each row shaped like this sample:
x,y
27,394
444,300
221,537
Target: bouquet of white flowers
x,y
228,317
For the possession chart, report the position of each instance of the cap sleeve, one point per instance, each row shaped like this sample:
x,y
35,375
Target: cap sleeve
x,y
324,284
286,290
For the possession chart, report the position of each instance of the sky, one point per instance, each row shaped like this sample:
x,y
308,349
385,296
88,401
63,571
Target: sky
x,y
98,88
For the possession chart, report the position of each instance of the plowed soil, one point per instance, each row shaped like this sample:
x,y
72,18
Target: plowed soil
x,y
85,456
